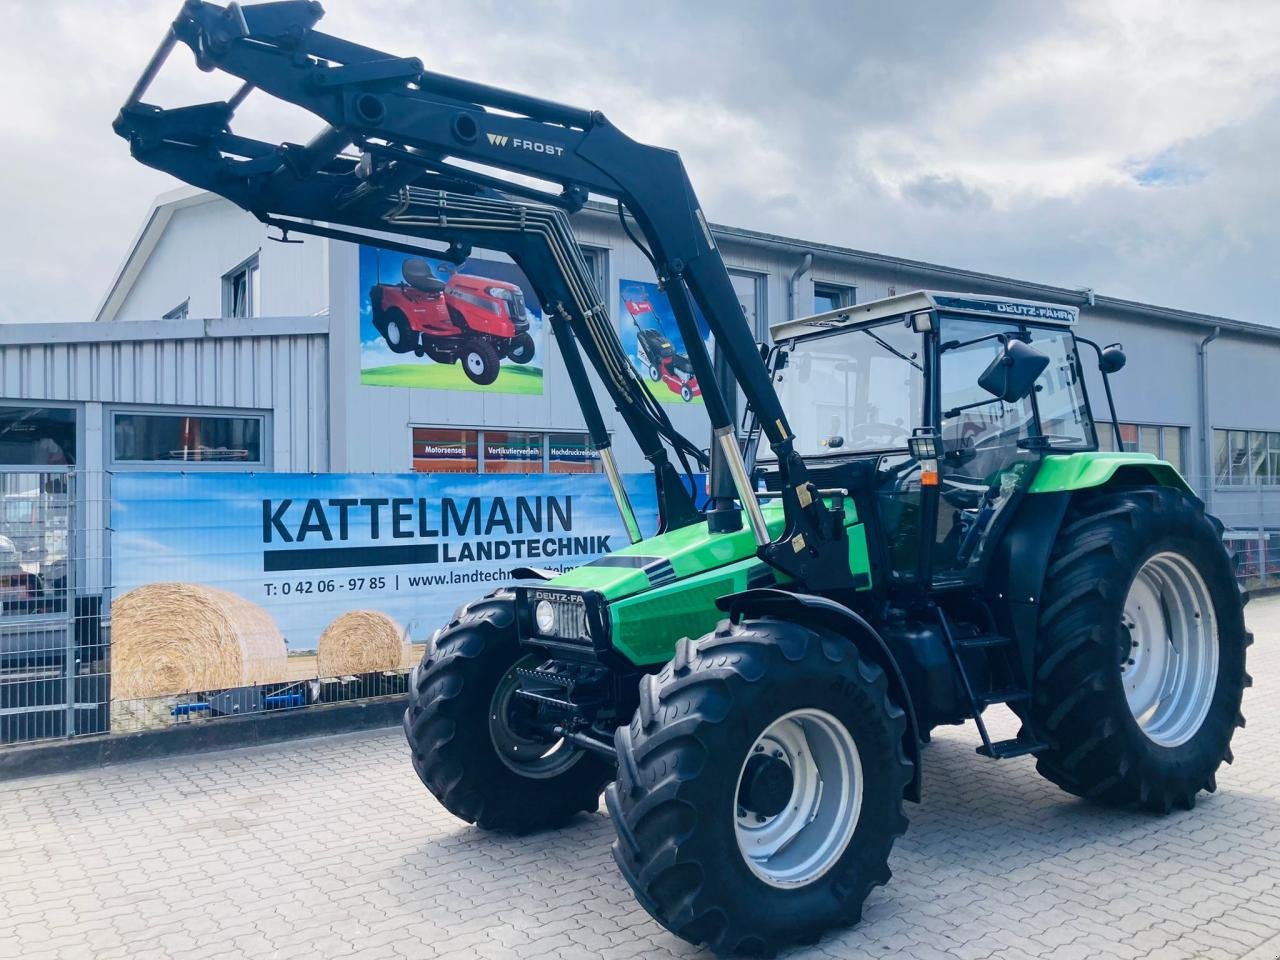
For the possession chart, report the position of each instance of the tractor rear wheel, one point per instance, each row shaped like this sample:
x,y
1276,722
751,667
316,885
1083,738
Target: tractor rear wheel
x,y
760,786
400,337
1141,651
469,748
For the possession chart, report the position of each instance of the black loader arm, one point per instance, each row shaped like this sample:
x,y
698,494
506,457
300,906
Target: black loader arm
x,y
407,151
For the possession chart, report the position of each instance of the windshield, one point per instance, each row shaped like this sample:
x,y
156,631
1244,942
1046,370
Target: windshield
x,y
972,419
859,390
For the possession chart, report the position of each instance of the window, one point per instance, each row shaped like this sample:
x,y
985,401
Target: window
x,y
598,266
445,451
827,296
451,450
179,312
572,453
240,290
187,438
37,436
751,291
512,451
1246,457
856,391
1167,443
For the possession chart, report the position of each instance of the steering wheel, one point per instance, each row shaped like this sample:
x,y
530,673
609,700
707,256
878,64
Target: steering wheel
x,y
860,431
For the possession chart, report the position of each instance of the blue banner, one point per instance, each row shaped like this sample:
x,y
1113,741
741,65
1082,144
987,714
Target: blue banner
x,y
306,549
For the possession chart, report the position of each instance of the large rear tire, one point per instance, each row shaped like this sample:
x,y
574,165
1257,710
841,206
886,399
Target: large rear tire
x,y
1141,651
400,337
760,787
455,725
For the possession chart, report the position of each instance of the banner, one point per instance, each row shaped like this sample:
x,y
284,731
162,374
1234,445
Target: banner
x,y
651,338
427,323
223,580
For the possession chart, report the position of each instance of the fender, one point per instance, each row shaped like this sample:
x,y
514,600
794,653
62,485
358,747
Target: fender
x,y
809,608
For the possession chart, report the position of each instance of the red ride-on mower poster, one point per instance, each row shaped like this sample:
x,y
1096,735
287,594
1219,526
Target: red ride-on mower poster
x,y
425,322
649,335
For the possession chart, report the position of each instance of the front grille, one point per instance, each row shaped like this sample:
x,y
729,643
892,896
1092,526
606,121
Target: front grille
x,y
570,618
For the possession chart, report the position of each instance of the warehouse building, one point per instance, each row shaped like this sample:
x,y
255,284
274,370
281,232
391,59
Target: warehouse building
x,y
213,334
218,349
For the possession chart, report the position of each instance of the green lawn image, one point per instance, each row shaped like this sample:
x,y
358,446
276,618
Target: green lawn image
x,y
449,376
665,394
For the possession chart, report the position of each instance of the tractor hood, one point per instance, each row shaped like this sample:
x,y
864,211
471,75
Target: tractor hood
x,y
677,555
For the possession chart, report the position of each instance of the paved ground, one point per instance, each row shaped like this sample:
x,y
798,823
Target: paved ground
x,y
331,848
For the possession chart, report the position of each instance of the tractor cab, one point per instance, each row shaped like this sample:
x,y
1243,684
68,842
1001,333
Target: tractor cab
x,y
934,410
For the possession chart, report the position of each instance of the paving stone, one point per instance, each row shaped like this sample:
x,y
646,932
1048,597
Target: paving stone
x,y
206,856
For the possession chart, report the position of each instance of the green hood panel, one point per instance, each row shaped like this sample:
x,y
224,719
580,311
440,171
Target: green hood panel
x,y
677,555
1080,471
666,587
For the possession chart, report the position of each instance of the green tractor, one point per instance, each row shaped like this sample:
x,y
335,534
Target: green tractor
x,y
764,737
910,523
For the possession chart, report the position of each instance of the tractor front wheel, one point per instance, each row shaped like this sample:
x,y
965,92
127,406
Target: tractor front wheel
x,y
469,744
760,786
1141,651
480,362
521,349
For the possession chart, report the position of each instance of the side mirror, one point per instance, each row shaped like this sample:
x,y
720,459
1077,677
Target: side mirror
x,y
1012,375
1112,359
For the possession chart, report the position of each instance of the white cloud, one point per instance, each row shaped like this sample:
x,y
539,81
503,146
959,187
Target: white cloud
x,y
1126,145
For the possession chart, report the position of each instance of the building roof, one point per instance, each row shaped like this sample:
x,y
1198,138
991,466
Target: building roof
x,y
165,205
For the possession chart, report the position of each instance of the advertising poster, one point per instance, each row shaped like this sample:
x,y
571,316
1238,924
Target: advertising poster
x,y
427,323
224,580
651,338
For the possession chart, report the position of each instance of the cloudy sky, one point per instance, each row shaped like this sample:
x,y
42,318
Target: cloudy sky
x,y
1126,145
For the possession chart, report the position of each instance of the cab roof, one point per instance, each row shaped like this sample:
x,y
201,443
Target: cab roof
x,y
919,301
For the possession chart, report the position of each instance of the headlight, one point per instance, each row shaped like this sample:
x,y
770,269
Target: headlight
x,y
544,615
500,292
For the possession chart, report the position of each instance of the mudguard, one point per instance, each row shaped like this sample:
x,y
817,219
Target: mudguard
x,y
808,608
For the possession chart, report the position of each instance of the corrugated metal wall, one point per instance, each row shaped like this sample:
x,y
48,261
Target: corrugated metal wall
x,y
275,366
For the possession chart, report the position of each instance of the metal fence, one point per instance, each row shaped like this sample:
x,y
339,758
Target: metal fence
x,y
1250,516
53,648
69,582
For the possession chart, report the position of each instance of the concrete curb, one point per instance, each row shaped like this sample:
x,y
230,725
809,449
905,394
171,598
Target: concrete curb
x,y
231,733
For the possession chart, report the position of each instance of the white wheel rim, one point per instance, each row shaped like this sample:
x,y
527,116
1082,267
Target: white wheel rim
x,y
1170,669
802,842
393,334
475,363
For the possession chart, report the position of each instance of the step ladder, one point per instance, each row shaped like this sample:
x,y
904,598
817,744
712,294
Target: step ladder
x,y
1001,654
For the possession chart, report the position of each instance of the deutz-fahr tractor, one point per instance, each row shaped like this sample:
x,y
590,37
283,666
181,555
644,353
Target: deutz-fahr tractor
x,y
910,523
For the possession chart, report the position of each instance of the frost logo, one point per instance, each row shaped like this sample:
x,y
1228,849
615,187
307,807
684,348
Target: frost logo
x,y
518,143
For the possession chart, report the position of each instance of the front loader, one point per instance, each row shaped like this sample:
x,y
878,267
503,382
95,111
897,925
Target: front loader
x,y
914,522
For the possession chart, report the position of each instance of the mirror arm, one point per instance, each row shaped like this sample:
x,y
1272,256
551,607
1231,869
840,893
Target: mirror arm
x,y
1106,386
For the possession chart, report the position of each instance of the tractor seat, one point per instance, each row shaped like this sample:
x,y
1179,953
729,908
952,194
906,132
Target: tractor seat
x,y
419,275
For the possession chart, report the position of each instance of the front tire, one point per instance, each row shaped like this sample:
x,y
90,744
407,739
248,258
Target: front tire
x,y
521,349
455,725
760,787
1141,651
480,362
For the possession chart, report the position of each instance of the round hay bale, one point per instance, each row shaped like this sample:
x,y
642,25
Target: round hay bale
x,y
169,638
360,641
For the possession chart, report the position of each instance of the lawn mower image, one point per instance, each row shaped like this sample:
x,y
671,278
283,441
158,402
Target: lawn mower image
x,y
477,320
657,354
